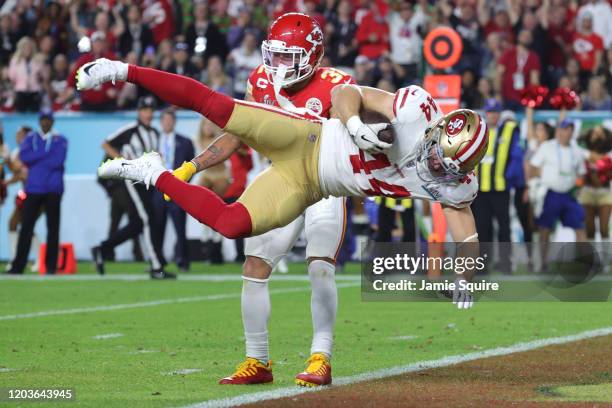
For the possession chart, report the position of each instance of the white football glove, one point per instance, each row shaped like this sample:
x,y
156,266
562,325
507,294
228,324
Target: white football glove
x,y
462,297
365,135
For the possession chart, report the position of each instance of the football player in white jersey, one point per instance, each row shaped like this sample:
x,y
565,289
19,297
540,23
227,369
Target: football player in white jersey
x,y
432,157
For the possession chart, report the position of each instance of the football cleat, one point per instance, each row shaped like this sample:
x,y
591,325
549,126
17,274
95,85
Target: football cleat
x,y
251,371
100,71
317,373
143,169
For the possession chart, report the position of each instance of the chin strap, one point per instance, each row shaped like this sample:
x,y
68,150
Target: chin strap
x,y
283,102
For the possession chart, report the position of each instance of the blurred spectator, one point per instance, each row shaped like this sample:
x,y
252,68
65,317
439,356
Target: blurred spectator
x,y
44,153
158,15
243,60
572,78
470,97
310,9
46,49
558,164
463,20
104,97
8,38
181,64
373,33
491,54
596,194
165,55
601,11
496,20
363,70
485,91
559,35
390,212
241,162
532,21
597,97
128,95
500,171
220,18
175,149
19,174
56,85
587,46
385,69
518,68
406,26
52,23
217,179
341,42
237,32
102,24
203,36
26,75
136,37
215,77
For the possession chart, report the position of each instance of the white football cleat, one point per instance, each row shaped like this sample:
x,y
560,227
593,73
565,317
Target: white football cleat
x,y
146,169
100,71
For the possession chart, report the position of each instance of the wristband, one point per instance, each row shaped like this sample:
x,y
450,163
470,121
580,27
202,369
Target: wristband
x,y
353,124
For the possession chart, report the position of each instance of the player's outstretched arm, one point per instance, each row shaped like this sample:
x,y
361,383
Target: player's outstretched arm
x,y
462,227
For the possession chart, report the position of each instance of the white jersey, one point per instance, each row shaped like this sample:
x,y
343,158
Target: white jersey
x,y
345,170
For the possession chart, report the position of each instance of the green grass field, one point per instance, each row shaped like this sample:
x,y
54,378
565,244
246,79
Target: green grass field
x,y
53,333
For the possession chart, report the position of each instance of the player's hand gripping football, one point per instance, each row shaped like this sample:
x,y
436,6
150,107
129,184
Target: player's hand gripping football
x,y
365,135
183,173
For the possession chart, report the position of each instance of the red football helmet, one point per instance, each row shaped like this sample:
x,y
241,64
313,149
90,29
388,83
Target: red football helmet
x,y
293,50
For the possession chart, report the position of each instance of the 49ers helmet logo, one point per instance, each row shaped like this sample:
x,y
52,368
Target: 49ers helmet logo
x,y
455,125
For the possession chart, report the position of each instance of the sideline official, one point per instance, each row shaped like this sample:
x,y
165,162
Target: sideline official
x,y
131,142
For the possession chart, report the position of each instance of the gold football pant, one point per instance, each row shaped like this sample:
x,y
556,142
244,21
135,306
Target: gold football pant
x,y
291,184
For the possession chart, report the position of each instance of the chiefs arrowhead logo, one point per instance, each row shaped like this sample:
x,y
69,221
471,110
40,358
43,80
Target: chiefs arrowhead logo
x,y
456,124
315,37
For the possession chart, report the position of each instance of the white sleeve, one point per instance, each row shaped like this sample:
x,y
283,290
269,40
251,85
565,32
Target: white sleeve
x,y
461,195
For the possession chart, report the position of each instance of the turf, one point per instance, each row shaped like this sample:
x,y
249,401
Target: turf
x,y
577,393
203,331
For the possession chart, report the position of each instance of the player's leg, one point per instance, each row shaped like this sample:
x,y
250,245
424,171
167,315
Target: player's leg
x,y
325,226
263,252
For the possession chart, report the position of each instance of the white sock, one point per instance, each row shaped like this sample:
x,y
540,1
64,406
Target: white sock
x,y
255,304
36,248
13,236
323,306
155,176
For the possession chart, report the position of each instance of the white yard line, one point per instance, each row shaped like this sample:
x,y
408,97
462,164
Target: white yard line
x,y
107,336
275,277
398,370
152,303
182,277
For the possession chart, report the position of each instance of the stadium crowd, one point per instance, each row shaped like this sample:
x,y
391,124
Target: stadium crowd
x,y
552,42
508,45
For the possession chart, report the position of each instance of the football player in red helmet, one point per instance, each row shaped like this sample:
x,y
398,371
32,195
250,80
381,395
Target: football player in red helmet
x,y
293,50
291,78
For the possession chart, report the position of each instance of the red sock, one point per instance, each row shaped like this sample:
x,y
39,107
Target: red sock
x,y
184,92
230,220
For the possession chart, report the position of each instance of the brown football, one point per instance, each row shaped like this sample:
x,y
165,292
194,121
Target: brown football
x,y
386,135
